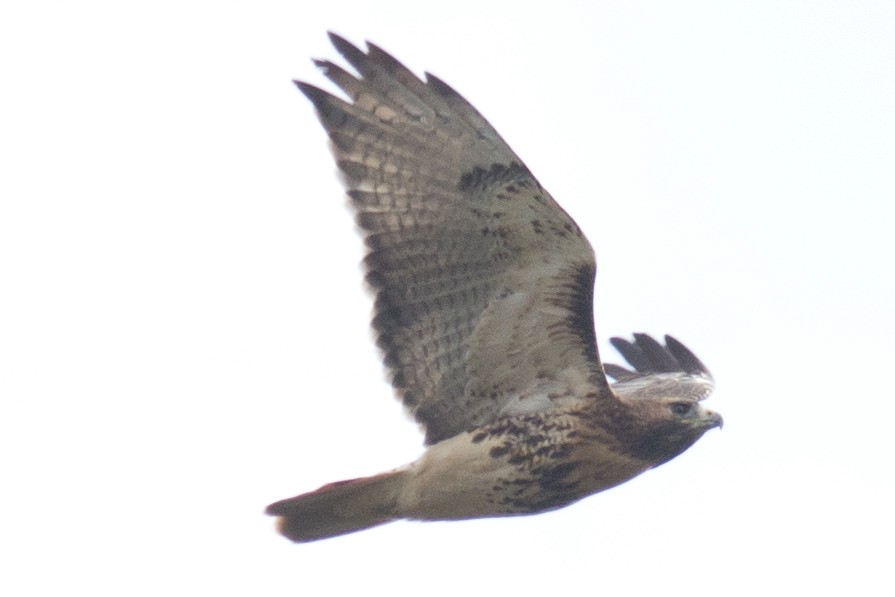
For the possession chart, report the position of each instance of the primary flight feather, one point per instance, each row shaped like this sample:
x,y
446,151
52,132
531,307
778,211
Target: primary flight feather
x,y
484,298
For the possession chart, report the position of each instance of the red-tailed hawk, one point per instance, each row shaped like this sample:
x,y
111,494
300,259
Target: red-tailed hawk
x,y
484,298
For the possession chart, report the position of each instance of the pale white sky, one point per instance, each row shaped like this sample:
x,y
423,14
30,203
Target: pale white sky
x,y
183,329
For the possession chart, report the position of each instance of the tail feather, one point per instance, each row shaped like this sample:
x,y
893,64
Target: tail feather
x,y
339,508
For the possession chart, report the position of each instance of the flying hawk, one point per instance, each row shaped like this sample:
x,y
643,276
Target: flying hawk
x,y
484,297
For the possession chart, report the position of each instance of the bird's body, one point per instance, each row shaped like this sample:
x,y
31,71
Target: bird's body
x,y
484,294
518,465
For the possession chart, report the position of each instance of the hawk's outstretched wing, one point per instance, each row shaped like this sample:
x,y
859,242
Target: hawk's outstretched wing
x,y
483,283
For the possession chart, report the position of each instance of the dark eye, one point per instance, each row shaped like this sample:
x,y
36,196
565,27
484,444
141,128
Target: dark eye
x,y
681,408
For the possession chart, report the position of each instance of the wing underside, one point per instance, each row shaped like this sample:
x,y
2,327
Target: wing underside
x,y
483,283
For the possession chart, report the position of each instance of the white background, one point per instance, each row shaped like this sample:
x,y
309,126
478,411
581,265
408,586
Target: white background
x,y
183,325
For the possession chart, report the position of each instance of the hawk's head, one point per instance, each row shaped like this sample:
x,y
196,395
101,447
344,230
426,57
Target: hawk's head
x,y
662,427
661,397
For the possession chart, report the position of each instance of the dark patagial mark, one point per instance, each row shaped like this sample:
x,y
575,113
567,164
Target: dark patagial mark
x,y
577,297
555,489
479,179
553,479
499,451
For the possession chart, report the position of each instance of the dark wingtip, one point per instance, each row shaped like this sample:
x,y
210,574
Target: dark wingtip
x,y
618,372
315,94
646,355
659,356
617,341
380,55
351,52
337,40
689,361
631,352
440,87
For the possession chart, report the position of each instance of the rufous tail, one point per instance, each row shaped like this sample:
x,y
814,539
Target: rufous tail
x,y
339,508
